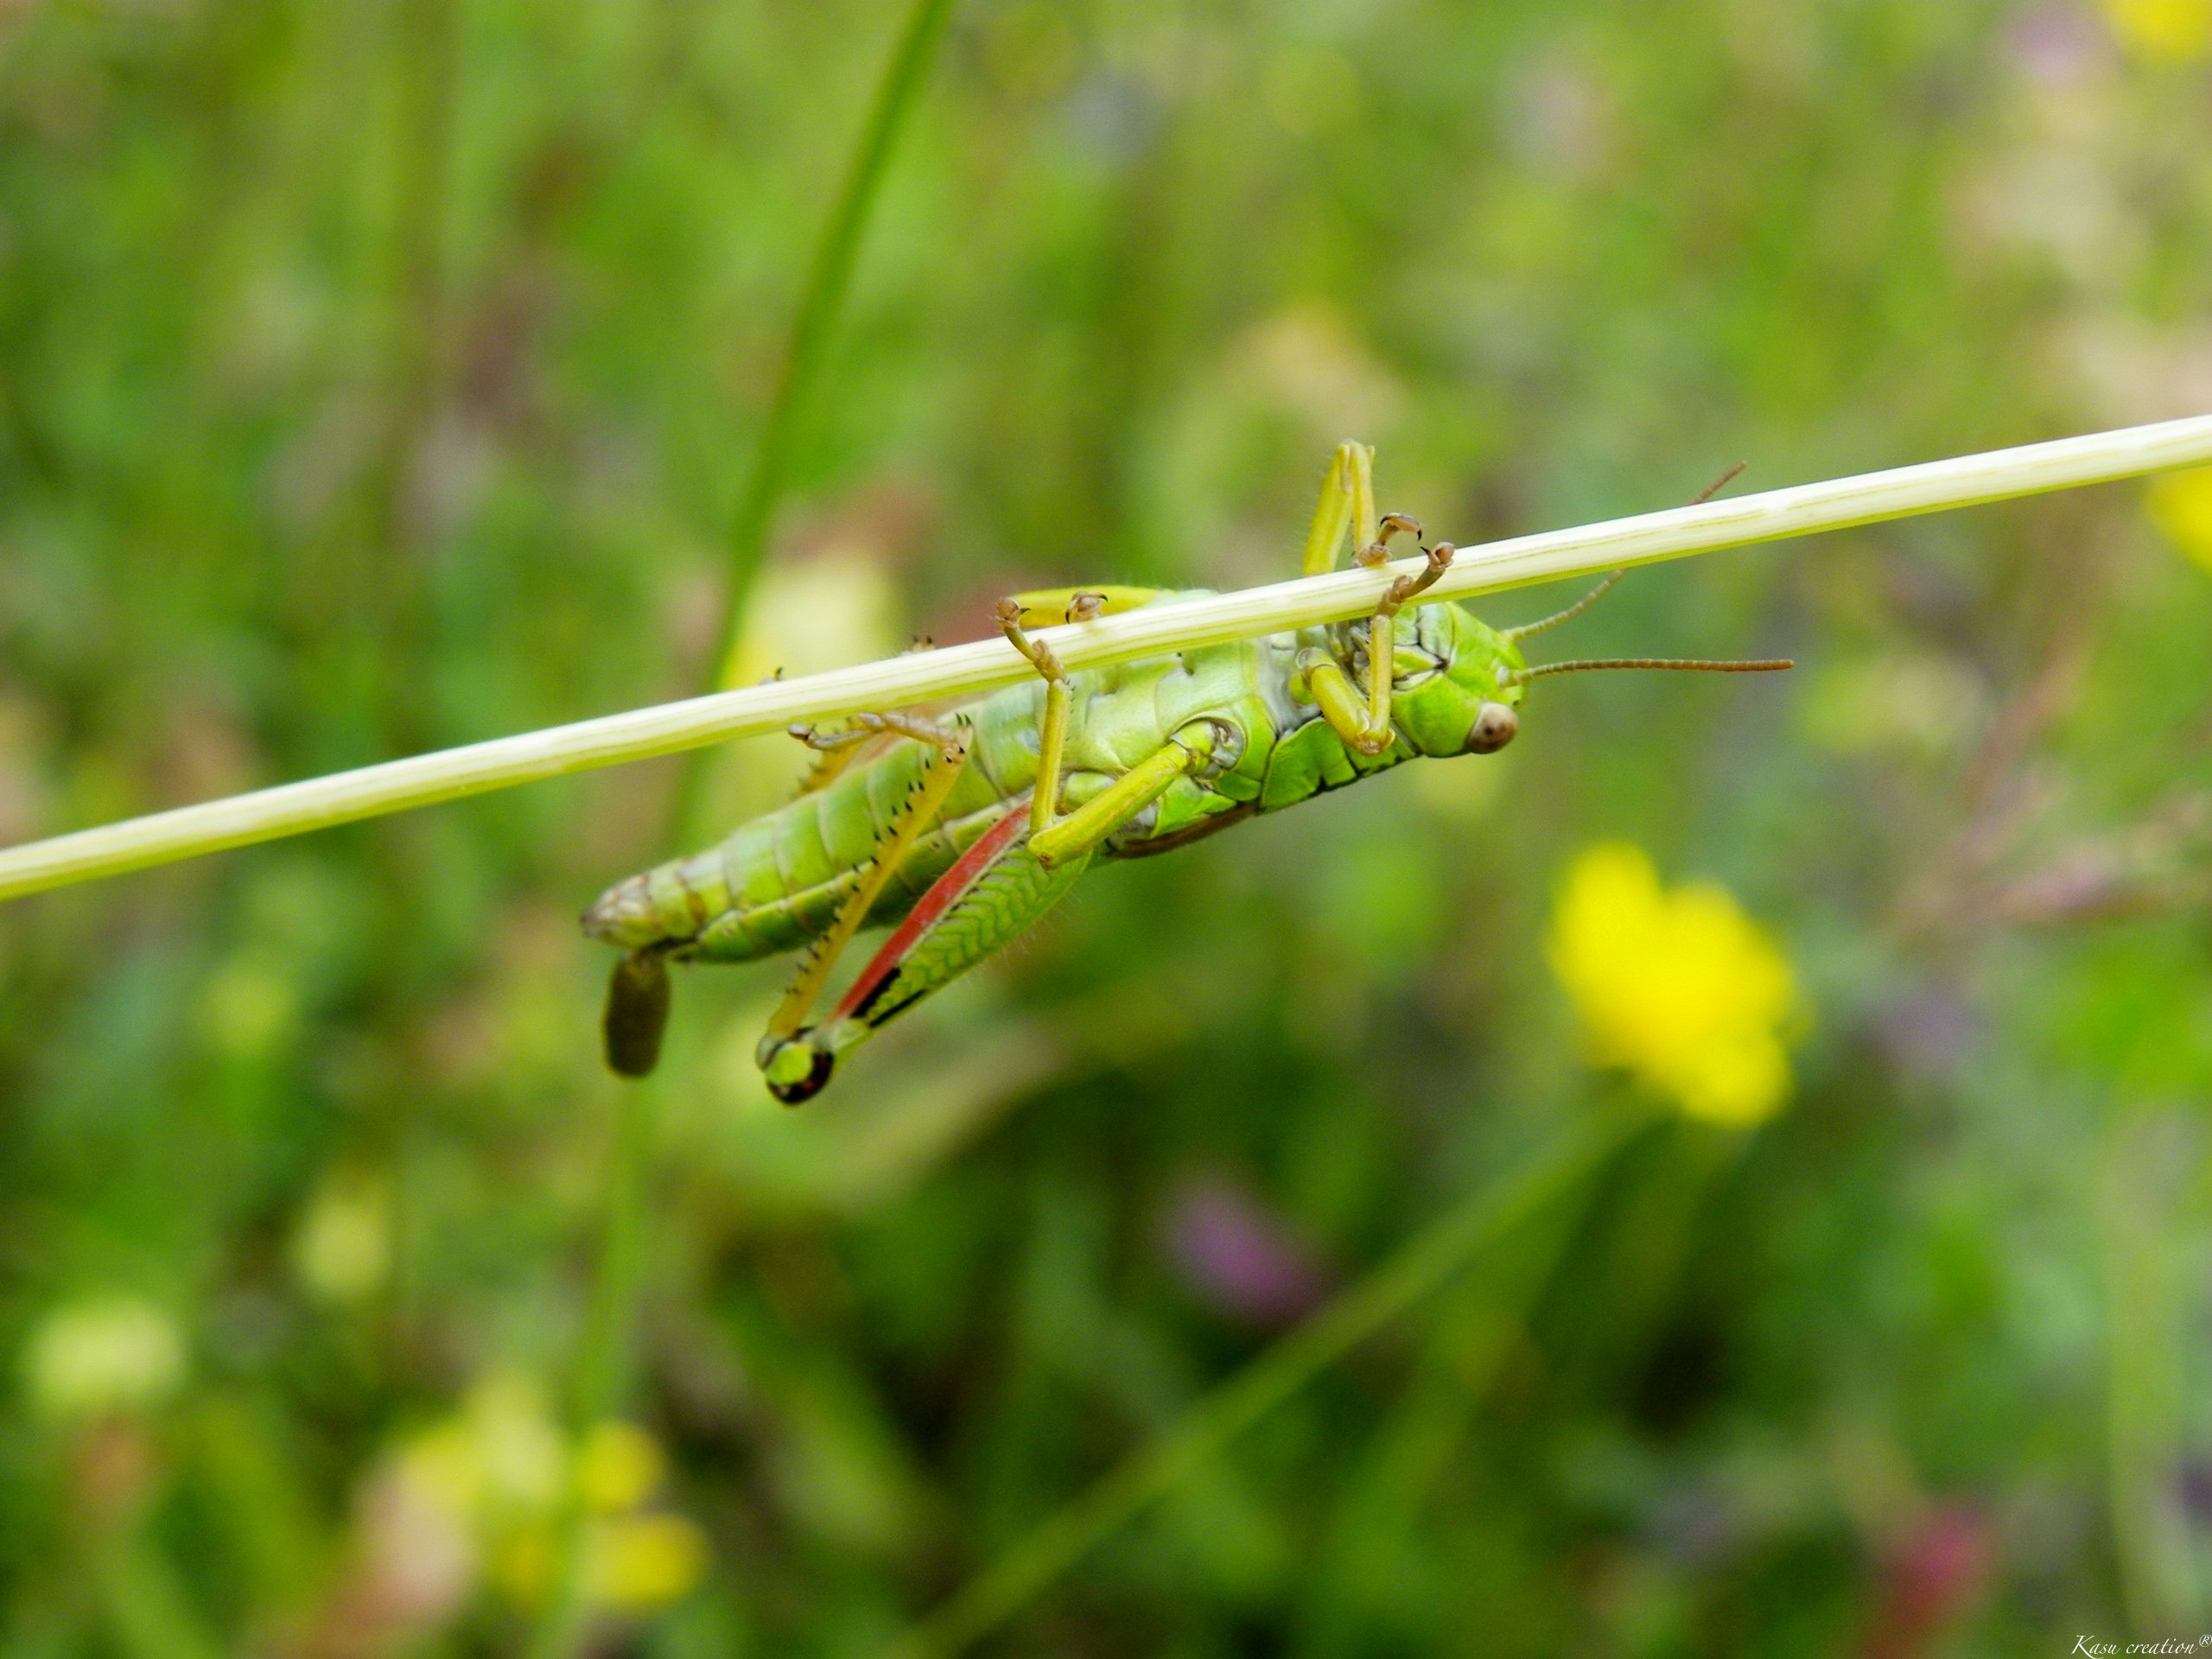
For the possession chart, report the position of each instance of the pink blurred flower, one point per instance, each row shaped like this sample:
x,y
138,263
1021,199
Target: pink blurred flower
x,y
1243,1259
1933,1574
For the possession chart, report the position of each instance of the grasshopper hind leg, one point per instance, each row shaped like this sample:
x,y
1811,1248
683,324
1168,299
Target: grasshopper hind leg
x,y
992,892
781,1053
1017,870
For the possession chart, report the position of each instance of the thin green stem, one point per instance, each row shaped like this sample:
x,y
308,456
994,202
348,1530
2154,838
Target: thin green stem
x,y
1435,1253
1152,631
601,1376
2144,1393
603,1371
822,301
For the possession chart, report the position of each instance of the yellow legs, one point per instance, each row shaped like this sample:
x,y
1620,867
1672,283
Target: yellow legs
x,y
1056,837
1348,502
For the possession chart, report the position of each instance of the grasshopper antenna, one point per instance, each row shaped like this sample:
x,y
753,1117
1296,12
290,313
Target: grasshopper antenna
x,y
1606,587
1569,614
1679,664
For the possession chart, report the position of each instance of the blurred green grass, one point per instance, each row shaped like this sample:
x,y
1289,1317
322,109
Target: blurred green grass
x,y
381,377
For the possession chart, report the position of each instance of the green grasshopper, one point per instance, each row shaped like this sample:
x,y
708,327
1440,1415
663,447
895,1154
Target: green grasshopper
x,y
964,829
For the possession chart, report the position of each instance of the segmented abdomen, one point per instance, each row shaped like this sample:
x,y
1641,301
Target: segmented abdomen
x,y
776,882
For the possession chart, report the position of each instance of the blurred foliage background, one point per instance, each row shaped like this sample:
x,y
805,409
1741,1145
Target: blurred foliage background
x,y
376,376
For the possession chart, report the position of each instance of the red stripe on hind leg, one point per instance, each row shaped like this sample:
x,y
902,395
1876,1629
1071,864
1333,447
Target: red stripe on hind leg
x,y
944,893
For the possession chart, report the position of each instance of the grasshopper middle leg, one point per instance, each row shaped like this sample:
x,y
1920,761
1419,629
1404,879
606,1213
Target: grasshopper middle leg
x,y
1054,836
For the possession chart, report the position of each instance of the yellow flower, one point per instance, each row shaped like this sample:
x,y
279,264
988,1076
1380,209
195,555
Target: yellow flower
x,y
1679,987
497,1460
2181,507
618,1466
516,1441
642,1561
838,607
2163,31
501,1474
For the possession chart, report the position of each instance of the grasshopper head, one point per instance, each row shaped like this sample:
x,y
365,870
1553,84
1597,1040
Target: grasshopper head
x,y
1463,697
1463,680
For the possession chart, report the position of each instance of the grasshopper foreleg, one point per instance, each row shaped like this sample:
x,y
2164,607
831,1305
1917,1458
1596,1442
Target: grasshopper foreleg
x,y
1348,503
865,737
936,734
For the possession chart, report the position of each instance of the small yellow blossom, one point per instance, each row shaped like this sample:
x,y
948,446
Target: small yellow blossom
x,y
838,607
2181,507
618,1467
497,1471
104,1354
499,1456
2163,31
639,1562
1679,986
516,1443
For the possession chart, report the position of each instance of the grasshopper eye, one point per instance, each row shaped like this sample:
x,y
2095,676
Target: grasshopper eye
x,y
1494,727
